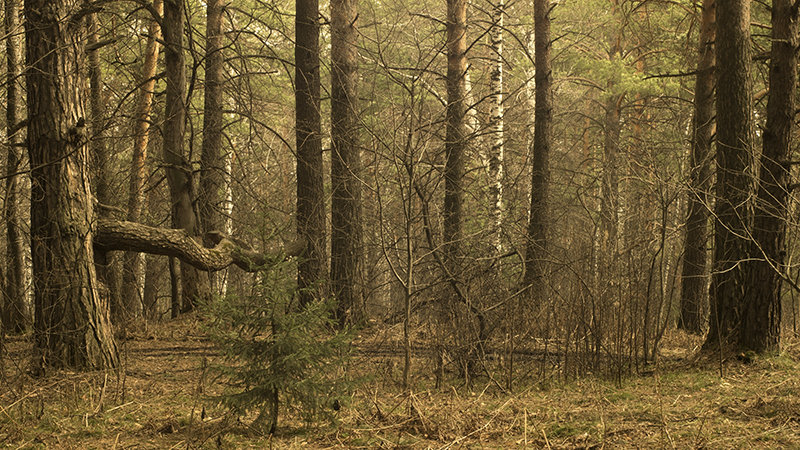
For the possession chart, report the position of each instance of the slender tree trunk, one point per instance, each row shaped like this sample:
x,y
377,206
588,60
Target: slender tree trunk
x,y
141,138
227,216
108,269
311,270
473,124
694,292
609,189
97,145
346,234
497,152
212,175
733,185
176,291
608,269
154,268
761,320
195,285
72,325
542,140
609,199
456,131
15,315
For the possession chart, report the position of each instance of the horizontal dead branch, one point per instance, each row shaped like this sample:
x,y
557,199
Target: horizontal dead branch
x,y
221,253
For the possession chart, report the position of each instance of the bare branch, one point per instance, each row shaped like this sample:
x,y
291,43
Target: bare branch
x,y
130,236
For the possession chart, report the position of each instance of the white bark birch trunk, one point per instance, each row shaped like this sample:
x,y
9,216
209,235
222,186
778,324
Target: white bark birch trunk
x,y
496,153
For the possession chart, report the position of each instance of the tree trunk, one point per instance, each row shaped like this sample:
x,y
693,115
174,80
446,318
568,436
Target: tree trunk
x,y
311,270
15,314
497,151
608,271
195,286
456,131
733,185
694,292
72,326
609,199
154,268
542,140
108,269
97,145
141,138
228,216
761,320
346,233
212,174
175,291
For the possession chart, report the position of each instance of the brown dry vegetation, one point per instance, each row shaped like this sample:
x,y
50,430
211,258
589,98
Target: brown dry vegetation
x,y
160,400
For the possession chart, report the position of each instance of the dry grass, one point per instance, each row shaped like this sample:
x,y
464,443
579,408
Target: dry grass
x,y
158,402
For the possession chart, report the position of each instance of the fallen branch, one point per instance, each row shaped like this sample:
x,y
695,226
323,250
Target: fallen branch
x,y
220,251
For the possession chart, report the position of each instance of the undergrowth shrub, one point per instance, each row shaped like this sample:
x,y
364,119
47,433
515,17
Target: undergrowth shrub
x,y
278,353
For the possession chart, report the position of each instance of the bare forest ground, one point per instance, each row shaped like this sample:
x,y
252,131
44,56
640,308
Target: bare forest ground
x,y
160,400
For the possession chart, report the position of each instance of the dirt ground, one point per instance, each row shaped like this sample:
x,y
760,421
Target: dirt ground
x,y
160,399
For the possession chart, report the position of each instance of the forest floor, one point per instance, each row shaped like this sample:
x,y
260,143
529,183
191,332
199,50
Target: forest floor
x,y
160,400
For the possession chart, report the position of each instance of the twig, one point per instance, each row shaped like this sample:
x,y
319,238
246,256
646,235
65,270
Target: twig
x,y
477,430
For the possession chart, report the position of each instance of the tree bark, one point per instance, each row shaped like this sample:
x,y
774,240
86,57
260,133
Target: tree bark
x,y
97,145
154,268
15,315
761,320
218,253
195,286
71,326
497,152
212,173
733,185
694,291
456,131
227,209
542,140
609,189
346,234
141,138
311,269
108,268
609,199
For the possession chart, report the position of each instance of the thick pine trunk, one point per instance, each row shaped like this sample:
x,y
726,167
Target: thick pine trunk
x,y
761,320
15,314
542,139
694,291
346,233
195,285
141,138
456,131
212,174
72,326
312,268
733,185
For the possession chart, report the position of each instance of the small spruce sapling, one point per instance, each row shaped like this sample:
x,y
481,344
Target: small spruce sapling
x,y
277,354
